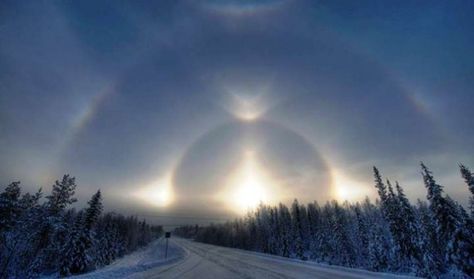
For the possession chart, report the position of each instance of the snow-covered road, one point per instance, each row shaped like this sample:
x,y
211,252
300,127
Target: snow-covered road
x,y
209,261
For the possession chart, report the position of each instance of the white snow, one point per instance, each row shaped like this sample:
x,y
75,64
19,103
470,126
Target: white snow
x,y
149,257
189,259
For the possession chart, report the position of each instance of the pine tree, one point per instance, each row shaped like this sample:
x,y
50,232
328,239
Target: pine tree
x,y
78,258
52,231
341,242
94,210
432,259
75,259
409,234
9,206
28,201
62,194
362,235
444,212
285,221
379,237
381,188
326,245
469,178
275,231
394,219
461,250
314,227
297,229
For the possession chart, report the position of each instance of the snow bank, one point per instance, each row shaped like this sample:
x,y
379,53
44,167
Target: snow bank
x,y
149,257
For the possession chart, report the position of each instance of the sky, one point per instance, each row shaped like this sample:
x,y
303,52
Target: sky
x,y
205,108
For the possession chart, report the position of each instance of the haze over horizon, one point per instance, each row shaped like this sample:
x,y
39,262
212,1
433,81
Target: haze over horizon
x,y
206,108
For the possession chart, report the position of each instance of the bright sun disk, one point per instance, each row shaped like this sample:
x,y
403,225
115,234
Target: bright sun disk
x,y
345,188
249,184
159,193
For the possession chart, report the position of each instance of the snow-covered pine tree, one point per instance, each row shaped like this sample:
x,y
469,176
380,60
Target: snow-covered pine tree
x,y
29,233
390,213
432,259
444,211
74,258
469,178
461,248
263,228
304,229
362,236
379,237
50,238
78,253
297,230
381,189
394,219
326,242
275,231
143,238
62,194
9,211
408,233
104,250
93,212
9,206
284,217
29,201
314,227
345,252
252,231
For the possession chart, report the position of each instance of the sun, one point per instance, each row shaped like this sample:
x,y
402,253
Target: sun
x,y
348,189
159,193
249,185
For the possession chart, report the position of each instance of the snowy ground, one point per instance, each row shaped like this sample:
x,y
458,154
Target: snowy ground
x,y
188,259
138,262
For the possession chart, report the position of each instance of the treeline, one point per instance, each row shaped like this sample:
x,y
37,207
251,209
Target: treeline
x,y
48,237
429,239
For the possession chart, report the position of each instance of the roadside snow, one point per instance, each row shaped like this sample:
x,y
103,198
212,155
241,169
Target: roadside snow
x,y
149,257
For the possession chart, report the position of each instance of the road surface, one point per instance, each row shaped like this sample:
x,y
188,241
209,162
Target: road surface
x,y
208,261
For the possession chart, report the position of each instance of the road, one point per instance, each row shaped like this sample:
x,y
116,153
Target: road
x,y
209,261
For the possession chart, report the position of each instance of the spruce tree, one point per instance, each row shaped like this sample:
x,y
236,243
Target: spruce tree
x,y
94,210
461,249
78,258
381,188
74,258
9,206
285,221
297,229
342,244
62,194
314,227
469,178
362,235
432,258
409,235
444,212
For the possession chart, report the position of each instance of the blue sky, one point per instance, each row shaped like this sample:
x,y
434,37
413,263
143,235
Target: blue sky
x,y
122,94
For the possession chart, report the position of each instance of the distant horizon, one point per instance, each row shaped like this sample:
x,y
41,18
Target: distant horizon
x,y
172,218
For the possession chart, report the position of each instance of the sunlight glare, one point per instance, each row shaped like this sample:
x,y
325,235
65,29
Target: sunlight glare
x,y
248,108
347,189
159,193
249,184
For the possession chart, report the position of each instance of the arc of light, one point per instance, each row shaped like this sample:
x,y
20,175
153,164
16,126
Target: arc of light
x,y
243,8
86,115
